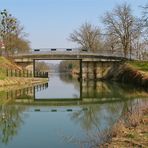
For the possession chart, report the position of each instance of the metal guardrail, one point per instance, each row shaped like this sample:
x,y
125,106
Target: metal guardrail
x,y
75,52
69,51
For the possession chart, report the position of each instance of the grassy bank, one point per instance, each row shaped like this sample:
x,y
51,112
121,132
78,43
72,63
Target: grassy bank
x,y
6,64
131,130
131,72
139,65
6,80
21,81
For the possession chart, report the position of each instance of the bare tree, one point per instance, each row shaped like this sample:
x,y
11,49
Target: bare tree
x,y
145,15
88,37
111,42
144,21
122,26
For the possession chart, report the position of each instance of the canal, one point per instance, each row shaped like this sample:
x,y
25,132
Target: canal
x,y
64,112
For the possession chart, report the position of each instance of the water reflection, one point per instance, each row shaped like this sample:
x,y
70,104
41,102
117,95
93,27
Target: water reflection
x,y
10,121
68,78
99,89
100,106
97,116
91,92
101,116
60,86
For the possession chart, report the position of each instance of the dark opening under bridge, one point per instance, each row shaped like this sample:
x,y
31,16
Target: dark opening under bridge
x,y
92,65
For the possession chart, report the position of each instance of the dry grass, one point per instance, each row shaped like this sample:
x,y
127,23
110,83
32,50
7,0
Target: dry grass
x,y
6,64
131,130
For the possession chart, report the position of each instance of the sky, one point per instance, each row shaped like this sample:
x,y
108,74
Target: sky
x,y
50,22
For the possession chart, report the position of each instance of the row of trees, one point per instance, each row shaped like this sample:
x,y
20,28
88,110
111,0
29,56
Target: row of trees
x,y
69,66
123,32
12,37
41,66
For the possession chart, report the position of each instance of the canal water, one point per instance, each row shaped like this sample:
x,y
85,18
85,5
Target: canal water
x,y
63,113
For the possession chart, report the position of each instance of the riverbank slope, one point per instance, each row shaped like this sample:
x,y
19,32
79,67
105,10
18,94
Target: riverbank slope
x,y
131,130
10,79
132,72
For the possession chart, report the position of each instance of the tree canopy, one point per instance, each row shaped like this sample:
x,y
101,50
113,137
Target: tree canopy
x,y
122,27
88,37
11,35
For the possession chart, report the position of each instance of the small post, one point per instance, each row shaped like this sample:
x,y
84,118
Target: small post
x,y
36,74
30,73
19,73
23,73
15,72
27,73
11,73
7,72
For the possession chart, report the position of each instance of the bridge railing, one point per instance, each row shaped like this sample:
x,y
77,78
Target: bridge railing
x,y
77,51
70,51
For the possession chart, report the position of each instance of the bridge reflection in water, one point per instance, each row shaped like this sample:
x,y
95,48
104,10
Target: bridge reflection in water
x,y
91,93
100,105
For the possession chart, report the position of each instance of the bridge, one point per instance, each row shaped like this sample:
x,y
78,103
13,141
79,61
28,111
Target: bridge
x,y
92,64
67,53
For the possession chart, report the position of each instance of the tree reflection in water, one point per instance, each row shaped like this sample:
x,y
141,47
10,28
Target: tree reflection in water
x,y
68,78
97,120
10,121
98,116
94,119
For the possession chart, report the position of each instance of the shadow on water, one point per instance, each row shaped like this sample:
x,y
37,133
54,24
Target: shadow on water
x,y
99,107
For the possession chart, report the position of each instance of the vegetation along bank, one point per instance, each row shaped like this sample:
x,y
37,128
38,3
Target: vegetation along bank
x,y
12,74
132,72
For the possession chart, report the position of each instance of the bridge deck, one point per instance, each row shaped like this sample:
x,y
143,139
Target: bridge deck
x,y
102,55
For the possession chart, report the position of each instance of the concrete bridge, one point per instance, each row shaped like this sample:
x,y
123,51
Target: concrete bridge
x,y
92,65
73,53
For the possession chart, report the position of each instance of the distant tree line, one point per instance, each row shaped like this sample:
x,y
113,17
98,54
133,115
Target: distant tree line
x,y
69,66
12,37
122,32
42,66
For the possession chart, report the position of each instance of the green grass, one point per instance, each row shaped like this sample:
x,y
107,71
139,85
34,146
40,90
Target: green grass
x,y
2,74
140,65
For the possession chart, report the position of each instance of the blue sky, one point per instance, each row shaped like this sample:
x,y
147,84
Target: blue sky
x,y
49,22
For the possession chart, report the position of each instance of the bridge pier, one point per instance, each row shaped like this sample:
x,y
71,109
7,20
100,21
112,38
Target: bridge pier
x,y
89,70
95,70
